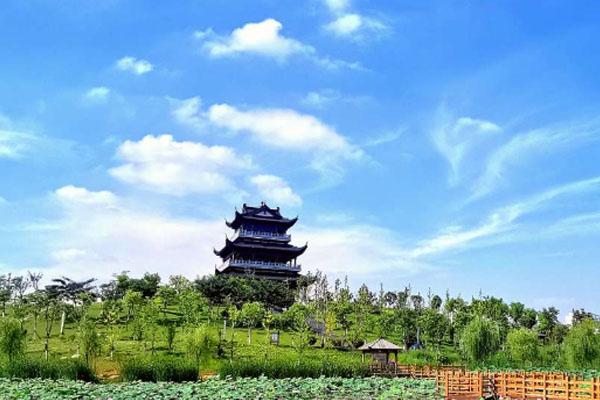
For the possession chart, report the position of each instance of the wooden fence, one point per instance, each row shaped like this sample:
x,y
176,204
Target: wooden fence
x,y
517,385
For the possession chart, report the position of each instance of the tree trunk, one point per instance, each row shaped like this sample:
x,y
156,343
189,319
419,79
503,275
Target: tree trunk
x,y
35,332
63,317
46,348
249,335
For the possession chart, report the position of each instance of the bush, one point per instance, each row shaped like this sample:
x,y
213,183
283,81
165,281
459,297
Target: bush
x,y
523,346
159,368
289,368
480,339
199,343
89,341
32,368
582,345
12,338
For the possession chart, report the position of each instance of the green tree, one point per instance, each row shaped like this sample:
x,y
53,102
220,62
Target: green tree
x,y
89,340
582,345
199,343
480,339
434,327
251,315
523,346
12,338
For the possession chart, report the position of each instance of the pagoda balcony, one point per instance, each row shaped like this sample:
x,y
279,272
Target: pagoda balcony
x,y
261,235
255,264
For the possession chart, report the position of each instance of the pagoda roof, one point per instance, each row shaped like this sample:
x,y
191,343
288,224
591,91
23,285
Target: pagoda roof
x,y
262,213
380,345
283,248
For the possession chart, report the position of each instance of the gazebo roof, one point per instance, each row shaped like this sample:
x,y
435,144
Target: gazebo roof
x,y
380,345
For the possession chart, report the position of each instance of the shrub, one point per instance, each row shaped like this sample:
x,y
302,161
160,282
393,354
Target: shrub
x,y
159,368
170,331
12,338
480,339
89,341
523,346
32,368
199,343
582,345
289,368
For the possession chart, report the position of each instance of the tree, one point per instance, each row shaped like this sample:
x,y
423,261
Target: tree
x,y
548,323
12,338
199,343
89,341
49,303
480,339
251,315
523,346
434,326
191,305
67,289
436,303
6,290
406,325
582,345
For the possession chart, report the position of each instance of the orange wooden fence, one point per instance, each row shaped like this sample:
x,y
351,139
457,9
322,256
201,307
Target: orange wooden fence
x,y
517,385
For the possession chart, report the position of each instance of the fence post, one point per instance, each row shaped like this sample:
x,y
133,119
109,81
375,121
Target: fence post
x,y
446,385
568,387
480,384
545,385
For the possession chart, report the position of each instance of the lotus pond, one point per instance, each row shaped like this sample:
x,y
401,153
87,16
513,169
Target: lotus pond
x,y
241,388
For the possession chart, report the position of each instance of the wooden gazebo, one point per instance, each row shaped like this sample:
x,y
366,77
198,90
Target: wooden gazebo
x,y
380,351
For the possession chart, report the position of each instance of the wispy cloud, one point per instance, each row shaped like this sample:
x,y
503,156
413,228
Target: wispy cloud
x,y
97,94
454,138
134,65
324,98
501,220
521,148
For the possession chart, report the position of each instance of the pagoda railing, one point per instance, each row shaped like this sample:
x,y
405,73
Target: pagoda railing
x,y
261,235
255,264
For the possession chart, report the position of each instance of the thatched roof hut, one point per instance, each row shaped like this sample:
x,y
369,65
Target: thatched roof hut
x,y
380,350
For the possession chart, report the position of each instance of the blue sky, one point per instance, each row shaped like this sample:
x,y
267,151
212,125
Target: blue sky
x,y
444,145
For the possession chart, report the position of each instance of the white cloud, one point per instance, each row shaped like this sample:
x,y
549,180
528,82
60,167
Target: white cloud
x,y
3,201
290,130
353,25
134,65
99,93
283,128
265,39
77,196
161,164
92,241
188,112
355,250
262,38
274,189
15,145
454,139
337,5
278,128
68,255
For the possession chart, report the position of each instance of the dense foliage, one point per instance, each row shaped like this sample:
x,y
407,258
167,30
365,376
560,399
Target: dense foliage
x,y
230,389
225,323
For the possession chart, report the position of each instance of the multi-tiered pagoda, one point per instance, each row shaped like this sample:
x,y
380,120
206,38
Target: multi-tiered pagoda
x,y
260,245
